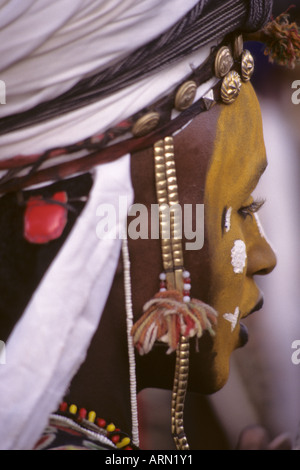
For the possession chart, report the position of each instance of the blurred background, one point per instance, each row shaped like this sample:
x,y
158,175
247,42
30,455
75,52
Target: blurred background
x,y
264,384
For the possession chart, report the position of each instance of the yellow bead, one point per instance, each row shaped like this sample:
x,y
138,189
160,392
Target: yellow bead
x,y
91,416
124,442
73,409
110,427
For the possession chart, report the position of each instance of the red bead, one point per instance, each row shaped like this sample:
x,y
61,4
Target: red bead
x,y
187,281
45,220
63,406
115,438
186,292
101,422
82,413
162,284
128,448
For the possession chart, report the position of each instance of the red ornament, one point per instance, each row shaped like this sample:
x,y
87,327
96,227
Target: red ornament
x,y
45,220
82,413
101,422
63,406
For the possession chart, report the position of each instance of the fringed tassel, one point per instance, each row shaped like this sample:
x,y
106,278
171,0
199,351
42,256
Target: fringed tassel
x,y
166,317
282,40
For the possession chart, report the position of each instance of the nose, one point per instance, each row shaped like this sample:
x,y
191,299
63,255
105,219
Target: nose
x,y
261,257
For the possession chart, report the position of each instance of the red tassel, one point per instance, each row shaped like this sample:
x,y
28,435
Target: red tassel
x,y
167,316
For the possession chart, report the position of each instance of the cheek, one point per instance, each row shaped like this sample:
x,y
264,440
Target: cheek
x,y
238,256
229,268
228,272
238,250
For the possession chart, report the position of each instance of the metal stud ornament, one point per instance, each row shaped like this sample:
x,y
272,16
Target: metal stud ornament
x,y
247,65
238,45
223,62
146,124
231,87
185,95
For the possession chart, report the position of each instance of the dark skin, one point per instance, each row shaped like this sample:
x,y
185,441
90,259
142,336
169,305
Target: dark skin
x,y
108,387
105,370
102,383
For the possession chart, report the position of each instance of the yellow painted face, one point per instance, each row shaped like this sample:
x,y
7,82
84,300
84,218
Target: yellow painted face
x,y
236,246
220,157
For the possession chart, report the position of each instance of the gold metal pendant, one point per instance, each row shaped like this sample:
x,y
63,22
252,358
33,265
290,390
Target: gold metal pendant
x,y
247,65
179,393
172,256
167,197
238,46
231,87
223,62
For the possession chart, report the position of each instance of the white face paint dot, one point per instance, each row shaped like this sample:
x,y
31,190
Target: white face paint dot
x,y
232,318
228,219
238,256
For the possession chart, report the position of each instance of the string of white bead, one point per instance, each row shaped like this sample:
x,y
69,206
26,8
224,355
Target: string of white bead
x,y
186,285
163,285
131,355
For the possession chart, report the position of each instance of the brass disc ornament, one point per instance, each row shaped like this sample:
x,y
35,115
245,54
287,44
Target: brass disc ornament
x,y
247,65
185,95
231,87
223,62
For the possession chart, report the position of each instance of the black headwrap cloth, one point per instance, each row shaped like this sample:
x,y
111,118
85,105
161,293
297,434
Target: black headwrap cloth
x,y
207,21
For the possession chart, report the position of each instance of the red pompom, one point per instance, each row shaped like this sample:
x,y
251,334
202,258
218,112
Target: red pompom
x,y
45,220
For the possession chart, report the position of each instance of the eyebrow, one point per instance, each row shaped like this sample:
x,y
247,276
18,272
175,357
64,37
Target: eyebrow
x,y
257,175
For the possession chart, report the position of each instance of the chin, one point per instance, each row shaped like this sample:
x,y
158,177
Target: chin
x,y
208,372
221,378
209,383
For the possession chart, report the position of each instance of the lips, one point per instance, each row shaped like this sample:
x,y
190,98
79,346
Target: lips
x,y
243,334
257,307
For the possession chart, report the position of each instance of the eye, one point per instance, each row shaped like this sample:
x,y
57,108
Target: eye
x,y
250,209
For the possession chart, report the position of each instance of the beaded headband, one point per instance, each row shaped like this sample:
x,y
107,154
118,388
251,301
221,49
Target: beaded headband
x,y
229,63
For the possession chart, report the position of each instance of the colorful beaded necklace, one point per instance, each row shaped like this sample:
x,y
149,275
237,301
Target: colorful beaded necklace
x,y
76,420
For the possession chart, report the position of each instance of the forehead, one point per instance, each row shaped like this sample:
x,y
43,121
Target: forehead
x,y
239,156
